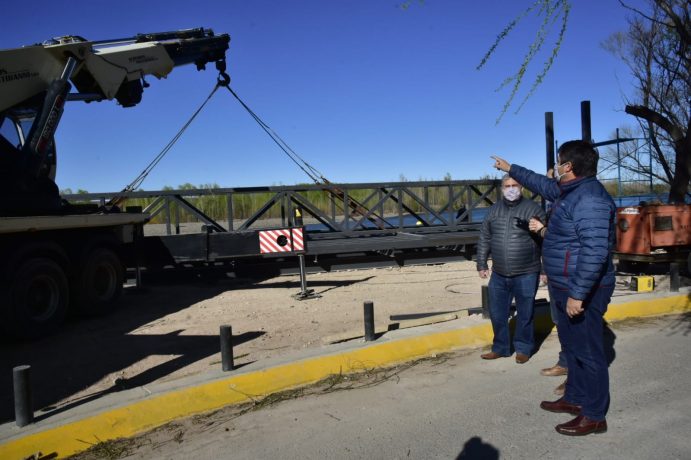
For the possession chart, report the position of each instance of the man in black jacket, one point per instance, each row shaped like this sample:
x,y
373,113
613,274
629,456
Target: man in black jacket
x,y
515,269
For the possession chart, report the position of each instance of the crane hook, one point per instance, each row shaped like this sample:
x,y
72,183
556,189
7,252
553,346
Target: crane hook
x,y
223,79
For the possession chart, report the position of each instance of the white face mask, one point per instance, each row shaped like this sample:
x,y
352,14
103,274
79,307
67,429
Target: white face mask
x,y
558,176
512,193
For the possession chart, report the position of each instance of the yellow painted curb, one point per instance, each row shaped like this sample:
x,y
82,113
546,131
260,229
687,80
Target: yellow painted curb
x,y
155,411
649,307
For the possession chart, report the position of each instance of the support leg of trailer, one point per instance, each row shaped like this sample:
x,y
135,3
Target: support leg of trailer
x,y
304,293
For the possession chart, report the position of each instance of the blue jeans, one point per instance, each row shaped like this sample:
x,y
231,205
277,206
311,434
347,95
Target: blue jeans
x,y
502,290
554,313
582,340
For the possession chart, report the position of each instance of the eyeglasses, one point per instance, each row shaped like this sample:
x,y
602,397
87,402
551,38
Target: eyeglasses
x,y
511,186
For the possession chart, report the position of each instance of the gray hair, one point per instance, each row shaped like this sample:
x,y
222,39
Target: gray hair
x,y
507,177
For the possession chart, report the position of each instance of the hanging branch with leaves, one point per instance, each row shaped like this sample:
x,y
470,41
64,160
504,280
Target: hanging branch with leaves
x,y
553,11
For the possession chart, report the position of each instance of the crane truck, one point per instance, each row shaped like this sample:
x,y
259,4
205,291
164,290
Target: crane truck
x,y
55,255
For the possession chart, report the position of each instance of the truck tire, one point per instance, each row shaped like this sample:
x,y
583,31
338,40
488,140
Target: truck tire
x,y
36,299
98,283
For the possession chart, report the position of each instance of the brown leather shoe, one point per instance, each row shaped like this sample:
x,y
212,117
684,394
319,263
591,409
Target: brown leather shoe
x,y
554,371
560,389
561,406
581,425
521,358
491,355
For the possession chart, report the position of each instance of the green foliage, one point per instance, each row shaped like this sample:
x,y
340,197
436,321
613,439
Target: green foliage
x,y
552,11
634,188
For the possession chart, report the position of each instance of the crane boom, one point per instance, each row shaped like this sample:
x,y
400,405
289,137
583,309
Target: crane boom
x,y
36,81
106,68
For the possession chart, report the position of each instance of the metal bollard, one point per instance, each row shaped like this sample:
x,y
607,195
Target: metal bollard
x,y
227,348
369,321
674,280
485,301
23,410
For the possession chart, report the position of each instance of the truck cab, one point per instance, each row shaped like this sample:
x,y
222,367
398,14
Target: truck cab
x,y
56,256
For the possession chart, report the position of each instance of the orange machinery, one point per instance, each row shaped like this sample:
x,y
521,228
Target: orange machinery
x,y
654,233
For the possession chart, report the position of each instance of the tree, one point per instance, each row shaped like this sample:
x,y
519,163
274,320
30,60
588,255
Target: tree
x,y
656,48
551,11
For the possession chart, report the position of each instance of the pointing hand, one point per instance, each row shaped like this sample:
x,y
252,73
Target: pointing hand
x,y
501,164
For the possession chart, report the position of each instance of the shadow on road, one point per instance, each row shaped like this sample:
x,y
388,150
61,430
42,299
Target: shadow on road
x,y
475,449
86,350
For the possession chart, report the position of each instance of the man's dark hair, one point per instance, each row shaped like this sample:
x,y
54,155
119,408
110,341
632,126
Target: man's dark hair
x,y
582,155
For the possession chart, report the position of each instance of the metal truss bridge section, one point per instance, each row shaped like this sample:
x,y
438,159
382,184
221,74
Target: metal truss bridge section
x,y
392,223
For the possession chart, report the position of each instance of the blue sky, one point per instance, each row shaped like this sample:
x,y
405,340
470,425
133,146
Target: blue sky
x,y
364,90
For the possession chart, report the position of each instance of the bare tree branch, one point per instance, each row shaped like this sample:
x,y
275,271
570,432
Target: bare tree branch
x,y
655,118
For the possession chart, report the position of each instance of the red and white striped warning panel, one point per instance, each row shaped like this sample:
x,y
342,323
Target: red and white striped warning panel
x,y
298,239
281,240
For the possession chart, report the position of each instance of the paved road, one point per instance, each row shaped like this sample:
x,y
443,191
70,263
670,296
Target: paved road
x,y
463,407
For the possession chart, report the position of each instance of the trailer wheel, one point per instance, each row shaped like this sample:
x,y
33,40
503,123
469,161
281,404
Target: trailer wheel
x,y
36,299
99,282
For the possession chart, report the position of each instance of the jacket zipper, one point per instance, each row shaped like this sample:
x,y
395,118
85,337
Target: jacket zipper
x,y
566,262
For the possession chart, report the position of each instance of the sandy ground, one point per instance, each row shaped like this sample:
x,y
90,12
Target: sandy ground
x,y
170,329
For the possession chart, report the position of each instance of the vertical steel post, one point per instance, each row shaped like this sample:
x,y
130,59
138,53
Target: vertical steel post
x,y
229,210
227,360
177,219
469,203
585,122
346,210
425,190
399,207
549,140
333,208
549,148
618,169
167,209
674,277
303,276
23,410
369,321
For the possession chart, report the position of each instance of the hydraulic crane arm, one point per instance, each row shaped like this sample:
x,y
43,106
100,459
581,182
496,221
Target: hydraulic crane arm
x,y
37,80
106,69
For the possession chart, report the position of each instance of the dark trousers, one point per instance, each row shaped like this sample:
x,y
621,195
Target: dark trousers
x,y
583,343
554,313
502,290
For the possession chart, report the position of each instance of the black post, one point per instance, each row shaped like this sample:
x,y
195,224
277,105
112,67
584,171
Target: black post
x,y
674,277
549,140
585,122
369,321
485,301
227,348
23,411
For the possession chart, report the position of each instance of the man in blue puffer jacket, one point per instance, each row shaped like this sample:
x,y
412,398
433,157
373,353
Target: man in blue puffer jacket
x,y
577,259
